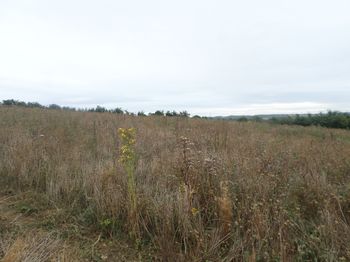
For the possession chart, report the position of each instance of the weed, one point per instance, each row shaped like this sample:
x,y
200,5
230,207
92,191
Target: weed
x,y
175,188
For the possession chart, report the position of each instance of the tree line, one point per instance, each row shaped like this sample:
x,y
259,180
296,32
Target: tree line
x,y
331,119
97,109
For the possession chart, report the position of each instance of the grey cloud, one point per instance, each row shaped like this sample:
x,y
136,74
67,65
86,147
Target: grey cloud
x,y
205,56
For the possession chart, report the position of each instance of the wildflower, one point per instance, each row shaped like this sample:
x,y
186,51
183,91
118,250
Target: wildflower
x,y
194,211
128,160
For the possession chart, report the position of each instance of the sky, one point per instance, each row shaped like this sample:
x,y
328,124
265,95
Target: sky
x,y
218,57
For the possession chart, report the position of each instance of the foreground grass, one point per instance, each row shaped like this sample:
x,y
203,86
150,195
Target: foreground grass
x,y
34,229
204,190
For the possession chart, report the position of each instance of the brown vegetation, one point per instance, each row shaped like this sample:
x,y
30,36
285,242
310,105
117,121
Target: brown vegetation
x,y
205,190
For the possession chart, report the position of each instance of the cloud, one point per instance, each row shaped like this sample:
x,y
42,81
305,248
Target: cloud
x,y
205,56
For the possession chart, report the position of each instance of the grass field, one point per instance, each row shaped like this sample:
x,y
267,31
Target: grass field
x,y
74,188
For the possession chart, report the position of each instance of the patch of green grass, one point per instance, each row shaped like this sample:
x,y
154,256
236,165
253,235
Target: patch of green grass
x,y
27,209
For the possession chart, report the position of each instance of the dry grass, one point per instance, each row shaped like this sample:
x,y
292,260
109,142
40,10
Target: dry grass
x,y
35,246
206,190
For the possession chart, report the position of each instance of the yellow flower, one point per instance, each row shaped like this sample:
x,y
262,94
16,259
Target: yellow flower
x,y
127,152
194,211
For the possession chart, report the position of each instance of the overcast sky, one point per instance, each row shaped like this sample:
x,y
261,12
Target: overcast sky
x,y
208,57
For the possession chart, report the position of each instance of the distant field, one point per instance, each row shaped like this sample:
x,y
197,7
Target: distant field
x,y
184,190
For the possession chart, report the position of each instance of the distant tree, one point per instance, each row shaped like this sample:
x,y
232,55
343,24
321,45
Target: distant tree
x,y
159,113
242,119
118,110
171,113
332,119
21,103
100,109
12,102
141,113
340,121
184,114
54,106
9,102
68,108
257,119
196,116
34,104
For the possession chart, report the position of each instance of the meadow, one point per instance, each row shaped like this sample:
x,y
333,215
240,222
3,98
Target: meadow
x,y
162,188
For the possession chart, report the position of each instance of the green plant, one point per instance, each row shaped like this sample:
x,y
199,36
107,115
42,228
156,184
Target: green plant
x,y
128,160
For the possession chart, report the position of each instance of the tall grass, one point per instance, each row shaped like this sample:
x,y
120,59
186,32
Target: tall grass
x,y
196,190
